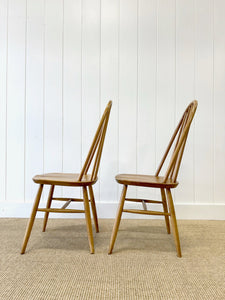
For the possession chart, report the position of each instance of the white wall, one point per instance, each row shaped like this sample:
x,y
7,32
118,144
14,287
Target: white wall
x,y
62,60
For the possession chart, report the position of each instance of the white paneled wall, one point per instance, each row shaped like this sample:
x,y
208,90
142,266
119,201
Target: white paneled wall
x,y
60,63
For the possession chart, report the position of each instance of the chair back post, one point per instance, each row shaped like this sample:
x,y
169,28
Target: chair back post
x,y
177,155
168,148
181,133
100,148
97,143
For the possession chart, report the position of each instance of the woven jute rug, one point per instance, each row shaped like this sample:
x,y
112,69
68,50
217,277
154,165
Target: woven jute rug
x,y
144,265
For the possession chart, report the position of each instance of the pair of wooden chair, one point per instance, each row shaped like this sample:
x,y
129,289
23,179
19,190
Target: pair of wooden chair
x,y
83,179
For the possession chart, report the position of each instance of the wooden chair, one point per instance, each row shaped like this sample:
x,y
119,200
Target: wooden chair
x,y
164,183
83,179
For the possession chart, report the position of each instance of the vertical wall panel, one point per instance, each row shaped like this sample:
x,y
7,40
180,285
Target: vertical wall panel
x,y
16,100
109,91
53,86
72,90
34,95
204,94
185,91
165,94
128,87
219,100
3,92
146,110
90,75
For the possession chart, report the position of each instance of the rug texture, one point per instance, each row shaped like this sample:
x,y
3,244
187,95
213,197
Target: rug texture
x,y
144,265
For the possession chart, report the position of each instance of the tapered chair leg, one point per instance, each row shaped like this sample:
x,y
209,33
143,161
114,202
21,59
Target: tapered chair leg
x,y
117,220
163,195
93,207
88,220
48,205
32,218
173,222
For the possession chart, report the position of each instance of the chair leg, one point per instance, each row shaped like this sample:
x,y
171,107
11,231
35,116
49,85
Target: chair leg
x,y
173,222
88,220
93,207
48,205
117,220
163,195
32,218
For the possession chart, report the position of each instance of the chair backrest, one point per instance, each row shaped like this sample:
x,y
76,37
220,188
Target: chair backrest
x,y
178,139
96,146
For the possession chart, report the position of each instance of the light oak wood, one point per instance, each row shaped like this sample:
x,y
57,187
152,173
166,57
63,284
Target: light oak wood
x,y
93,207
146,212
173,222
165,182
61,210
83,179
144,200
164,203
117,220
50,195
31,220
145,180
64,179
88,220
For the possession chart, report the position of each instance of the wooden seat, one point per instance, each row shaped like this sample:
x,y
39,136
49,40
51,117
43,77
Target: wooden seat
x,y
145,180
64,179
82,179
164,183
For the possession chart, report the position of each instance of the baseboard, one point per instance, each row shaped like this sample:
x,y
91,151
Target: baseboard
x,y
108,210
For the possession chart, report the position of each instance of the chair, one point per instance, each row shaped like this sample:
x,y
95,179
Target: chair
x,y
164,183
83,179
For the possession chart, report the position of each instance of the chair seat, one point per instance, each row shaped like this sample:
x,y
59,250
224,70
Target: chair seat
x,y
145,180
64,179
